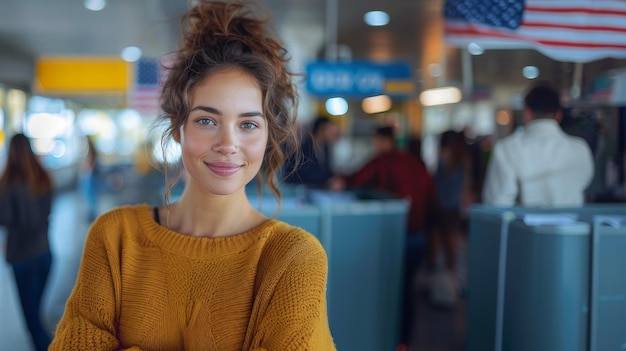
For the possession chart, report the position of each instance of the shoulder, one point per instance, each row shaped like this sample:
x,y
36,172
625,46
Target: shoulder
x,y
578,149
508,145
576,142
118,222
120,215
290,244
293,238
509,141
378,160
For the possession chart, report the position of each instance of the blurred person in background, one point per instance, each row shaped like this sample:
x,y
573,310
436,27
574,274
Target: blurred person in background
x,y
314,169
401,174
542,165
143,163
25,206
209,272
453,188
87,174
415,149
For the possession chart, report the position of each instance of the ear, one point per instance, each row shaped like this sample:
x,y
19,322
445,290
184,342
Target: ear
x,y
528,115
559,116
176,135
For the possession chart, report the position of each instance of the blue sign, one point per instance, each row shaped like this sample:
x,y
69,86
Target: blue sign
x,y
359,79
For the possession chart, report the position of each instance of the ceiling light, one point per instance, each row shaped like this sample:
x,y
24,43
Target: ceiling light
x,y
376,18
46,125
530,72
131,54
475,49
95,5
503,117
440,96
376,104
337,106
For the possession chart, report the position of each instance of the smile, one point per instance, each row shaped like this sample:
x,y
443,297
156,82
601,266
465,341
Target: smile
x,y
224,169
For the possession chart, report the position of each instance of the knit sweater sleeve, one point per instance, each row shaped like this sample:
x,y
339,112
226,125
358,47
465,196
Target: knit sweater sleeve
x,y
89,321
296,316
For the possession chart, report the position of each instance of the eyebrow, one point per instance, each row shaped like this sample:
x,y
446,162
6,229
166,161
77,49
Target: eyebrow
x,y
215,111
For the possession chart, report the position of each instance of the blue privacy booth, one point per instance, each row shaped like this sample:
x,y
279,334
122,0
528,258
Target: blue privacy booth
x,y
608,284
545,279
363,234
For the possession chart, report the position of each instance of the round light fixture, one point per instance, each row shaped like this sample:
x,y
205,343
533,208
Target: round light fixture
x,y
337,106
530,72
440,96
376,18
131,54
475,49
95,5
503,117
376,104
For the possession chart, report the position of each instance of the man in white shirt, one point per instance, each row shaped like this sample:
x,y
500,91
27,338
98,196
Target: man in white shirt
x,y
541,166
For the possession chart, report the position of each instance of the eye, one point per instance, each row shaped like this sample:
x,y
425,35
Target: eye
x,y
205,121
249,125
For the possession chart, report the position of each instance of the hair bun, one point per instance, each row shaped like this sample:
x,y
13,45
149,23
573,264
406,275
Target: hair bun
x,y
213,22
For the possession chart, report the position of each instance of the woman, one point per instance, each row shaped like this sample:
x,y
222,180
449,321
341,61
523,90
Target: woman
x,y
208,272
452,183
26,201
87,177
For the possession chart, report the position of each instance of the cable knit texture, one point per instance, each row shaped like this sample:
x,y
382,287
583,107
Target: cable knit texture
x,y
142,286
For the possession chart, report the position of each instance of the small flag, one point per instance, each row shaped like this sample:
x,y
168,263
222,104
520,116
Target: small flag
x,y
145,95
573,31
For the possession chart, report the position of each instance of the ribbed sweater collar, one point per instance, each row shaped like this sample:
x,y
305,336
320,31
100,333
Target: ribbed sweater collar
x,y
198,247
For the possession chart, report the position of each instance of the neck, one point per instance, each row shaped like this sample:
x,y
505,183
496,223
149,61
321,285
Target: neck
x,y
542,121
202,215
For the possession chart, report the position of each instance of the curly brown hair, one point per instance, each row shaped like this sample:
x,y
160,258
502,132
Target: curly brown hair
x,y
217,36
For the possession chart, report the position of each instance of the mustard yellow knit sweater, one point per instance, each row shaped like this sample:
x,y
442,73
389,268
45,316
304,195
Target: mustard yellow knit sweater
x,y
142,286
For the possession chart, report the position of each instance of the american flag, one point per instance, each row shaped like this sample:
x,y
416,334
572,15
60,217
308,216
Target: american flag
x,y
573,31
146,92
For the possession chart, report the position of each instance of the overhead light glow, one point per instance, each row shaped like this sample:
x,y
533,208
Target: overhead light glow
x,y
131,54
376,104
503,118
43,146
337,106
440,96
46,125
376,18
129,119
95,5
530,72
475,49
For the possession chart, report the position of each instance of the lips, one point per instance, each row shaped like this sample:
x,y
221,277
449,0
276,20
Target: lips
x,y
224,169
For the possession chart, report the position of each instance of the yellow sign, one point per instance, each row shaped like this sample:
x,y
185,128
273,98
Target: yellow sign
x,y
81,75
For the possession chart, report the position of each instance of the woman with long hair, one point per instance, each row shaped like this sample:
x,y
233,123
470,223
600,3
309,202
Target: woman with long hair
x,y
26,202
452,183
209,272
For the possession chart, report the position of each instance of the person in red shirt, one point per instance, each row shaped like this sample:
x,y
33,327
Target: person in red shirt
x,y
401,174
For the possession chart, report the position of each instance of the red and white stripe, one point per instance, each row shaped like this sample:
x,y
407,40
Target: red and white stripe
x,y
145,99
574,31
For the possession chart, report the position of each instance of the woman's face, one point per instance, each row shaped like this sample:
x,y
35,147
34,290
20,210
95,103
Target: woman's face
x,y
224,138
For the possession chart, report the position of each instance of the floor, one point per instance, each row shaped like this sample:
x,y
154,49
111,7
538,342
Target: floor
x,y
436,329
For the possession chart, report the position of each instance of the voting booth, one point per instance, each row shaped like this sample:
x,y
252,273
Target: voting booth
x,y
547,279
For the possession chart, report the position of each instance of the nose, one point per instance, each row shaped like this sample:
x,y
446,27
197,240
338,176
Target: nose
x,y
227,141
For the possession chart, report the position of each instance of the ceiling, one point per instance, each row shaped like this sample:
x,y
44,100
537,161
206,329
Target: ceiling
x,y
32,28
